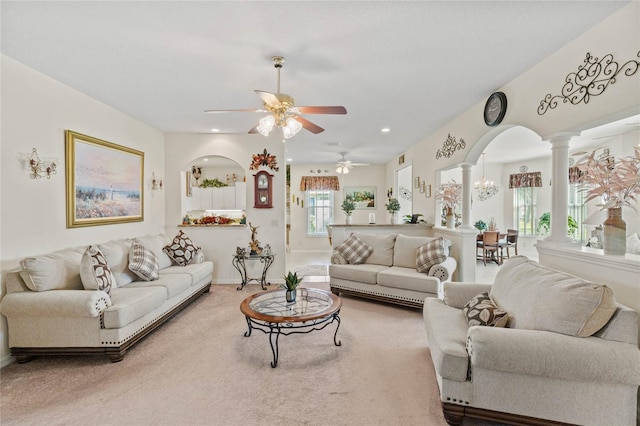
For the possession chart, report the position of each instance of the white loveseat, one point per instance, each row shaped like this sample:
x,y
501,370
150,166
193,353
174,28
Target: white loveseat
x,y
569,352
390,272
50,312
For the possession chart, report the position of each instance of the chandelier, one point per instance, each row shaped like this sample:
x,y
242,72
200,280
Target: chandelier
x,y
486,188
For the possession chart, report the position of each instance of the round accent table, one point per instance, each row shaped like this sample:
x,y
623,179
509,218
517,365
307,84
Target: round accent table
x,y
269,312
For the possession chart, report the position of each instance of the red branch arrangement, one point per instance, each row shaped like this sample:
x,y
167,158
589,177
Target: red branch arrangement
x,y
264,159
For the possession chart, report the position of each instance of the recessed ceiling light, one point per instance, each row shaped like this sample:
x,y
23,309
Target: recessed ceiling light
x,y
385,130
215,130
205,159
289,159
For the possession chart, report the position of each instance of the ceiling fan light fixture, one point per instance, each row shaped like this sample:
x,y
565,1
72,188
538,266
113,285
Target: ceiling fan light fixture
x,y
291,127
266,124
342,169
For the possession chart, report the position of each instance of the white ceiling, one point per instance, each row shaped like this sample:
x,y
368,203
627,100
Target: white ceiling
x,y
409,66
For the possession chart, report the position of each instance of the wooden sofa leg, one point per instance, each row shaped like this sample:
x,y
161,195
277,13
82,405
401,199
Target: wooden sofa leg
x,y
23,359
453,414
335,291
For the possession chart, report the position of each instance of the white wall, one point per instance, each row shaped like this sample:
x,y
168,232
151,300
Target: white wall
x,y
219,243
372,175
36,110
616,35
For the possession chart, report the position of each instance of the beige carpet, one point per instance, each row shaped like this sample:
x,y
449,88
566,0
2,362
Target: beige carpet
x,y
199,369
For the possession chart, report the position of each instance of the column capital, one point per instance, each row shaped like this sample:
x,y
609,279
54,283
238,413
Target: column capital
x,y
560,137
466,166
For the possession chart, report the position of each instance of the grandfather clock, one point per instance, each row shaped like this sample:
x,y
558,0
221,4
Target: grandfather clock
x,y
262,196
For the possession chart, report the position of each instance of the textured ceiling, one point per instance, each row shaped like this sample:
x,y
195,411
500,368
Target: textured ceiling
x,y
410,66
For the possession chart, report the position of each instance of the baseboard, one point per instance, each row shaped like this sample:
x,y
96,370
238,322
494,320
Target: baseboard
x,y
6,360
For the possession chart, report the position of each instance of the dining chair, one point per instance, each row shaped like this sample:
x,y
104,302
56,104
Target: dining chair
x,y
490,247
511,241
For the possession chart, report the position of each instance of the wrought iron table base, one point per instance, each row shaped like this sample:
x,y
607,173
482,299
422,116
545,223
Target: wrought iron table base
x,y
274,330
239,263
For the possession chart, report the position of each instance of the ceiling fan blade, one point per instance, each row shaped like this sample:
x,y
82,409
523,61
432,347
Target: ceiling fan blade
x,y
268,98
313,128
254,129
322,109
215,111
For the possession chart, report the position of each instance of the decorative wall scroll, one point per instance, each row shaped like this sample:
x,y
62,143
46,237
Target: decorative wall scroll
x,y
450,146
591,79
405,193
264,159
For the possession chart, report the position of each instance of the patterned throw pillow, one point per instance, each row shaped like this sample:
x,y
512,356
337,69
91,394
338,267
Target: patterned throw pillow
x,y
430,254
482,311
354,250
143,262
94,271
181,249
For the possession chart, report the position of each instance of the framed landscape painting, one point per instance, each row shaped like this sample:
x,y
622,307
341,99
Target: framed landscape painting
x,y
104,182
363,196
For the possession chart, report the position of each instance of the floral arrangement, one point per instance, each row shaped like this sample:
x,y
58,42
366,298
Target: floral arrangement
x,y
264,159
212,183
450,194
214,220
348,206
615,181
393,205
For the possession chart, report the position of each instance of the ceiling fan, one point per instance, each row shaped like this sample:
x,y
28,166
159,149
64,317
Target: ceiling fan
x,y
283,112
343,166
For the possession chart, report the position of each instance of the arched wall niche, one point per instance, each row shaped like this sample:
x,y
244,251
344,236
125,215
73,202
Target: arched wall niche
x,y
213,185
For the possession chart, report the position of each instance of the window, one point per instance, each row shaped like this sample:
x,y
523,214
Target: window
x,y
319,212
578,211
524,210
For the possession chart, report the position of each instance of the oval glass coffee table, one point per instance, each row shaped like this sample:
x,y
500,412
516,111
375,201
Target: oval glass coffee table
x,y
269,312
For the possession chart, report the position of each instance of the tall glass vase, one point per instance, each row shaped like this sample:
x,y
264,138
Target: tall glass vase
x,y
614,233
451,219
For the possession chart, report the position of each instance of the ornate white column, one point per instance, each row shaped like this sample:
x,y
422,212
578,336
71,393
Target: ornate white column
x,y
466,196
560,187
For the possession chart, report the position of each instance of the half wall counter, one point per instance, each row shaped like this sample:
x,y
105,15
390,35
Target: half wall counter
x,y
340,232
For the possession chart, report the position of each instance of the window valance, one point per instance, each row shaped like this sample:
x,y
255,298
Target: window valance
x,y
525,180
575,174
308,183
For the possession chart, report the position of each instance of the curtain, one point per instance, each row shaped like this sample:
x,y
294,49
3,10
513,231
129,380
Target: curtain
x,y
574,175
525,180
319,183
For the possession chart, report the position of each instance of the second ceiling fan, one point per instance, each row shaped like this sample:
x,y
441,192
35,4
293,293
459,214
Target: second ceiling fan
x,y
283,112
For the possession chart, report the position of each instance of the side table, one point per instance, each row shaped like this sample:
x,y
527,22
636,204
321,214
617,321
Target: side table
x,y
239,262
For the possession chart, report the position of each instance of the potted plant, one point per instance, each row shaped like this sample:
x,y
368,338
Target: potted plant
x,y
392,207
450,194
291,282
348,206
616,183
480,225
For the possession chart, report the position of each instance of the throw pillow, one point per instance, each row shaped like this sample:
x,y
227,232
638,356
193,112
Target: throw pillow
x,y
181,250
354,250
482,311
95,272
430,254
143,262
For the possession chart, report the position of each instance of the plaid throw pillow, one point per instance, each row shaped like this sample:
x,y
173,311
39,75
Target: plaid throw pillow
x,y
354,250
143,262
94,271
181,250
482,311
430,254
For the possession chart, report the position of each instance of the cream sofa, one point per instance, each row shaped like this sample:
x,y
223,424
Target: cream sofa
x,y
389,273
569,353
50,312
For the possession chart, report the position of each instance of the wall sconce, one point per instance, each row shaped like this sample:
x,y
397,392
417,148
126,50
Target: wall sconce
x,y
156,183
39,168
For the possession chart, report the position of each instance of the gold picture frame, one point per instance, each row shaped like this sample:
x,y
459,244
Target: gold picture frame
x,y
427,191
104,182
